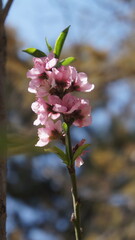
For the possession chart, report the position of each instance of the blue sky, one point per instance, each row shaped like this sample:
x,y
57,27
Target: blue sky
x,y
90,20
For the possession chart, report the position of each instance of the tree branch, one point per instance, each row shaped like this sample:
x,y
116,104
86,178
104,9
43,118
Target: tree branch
x,y
6,10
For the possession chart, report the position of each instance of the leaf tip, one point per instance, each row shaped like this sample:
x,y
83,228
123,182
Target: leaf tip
x,y
66,29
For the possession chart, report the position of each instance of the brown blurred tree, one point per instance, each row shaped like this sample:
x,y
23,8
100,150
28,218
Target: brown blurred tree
x,y
3,14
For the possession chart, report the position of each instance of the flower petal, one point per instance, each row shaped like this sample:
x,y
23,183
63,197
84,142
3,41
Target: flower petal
x,y
79,162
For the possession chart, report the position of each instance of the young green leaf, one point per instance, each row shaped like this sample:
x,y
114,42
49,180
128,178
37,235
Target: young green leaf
x,y
80,150
48,150
60,41
67,61
65,127
35,52
59,152
48,45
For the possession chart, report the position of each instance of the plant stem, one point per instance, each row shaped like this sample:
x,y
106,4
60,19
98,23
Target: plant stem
x,y
75,217
69,147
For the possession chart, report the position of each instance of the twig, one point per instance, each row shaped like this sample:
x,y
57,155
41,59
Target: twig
x,y
75,217
6,10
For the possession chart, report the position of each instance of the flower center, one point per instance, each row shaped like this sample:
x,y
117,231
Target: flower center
x,y
54,134
43,75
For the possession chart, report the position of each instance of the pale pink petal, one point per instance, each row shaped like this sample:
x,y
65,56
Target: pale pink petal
x,y
33,73
87,87
51,63
73,72
50,56
57,74
43,137
59,108
54,116
83,77
55,71
52,99
79,162
32,90
58,125
39,63
36,122
50,124
71,102
52,82
43,118
75,107
86,121
41,92
34,83
41,143
42,133
82,84
35,107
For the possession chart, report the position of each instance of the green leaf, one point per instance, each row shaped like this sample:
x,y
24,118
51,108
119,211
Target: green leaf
x,y
60,41
65,127
48,45
67,61
79,150
35,52
59,152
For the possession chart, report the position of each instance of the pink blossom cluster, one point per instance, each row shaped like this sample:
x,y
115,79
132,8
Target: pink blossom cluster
x,y
54,86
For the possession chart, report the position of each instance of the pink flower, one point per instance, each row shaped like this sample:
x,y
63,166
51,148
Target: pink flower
x,y
75,110
40,74
45,63
66,79
39,70
82,117
62,76
39,87
66,105
80,81
50,132
60,80
53,86
43,111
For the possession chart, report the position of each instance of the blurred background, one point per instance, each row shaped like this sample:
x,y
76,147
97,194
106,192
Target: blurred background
x,y
102,38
